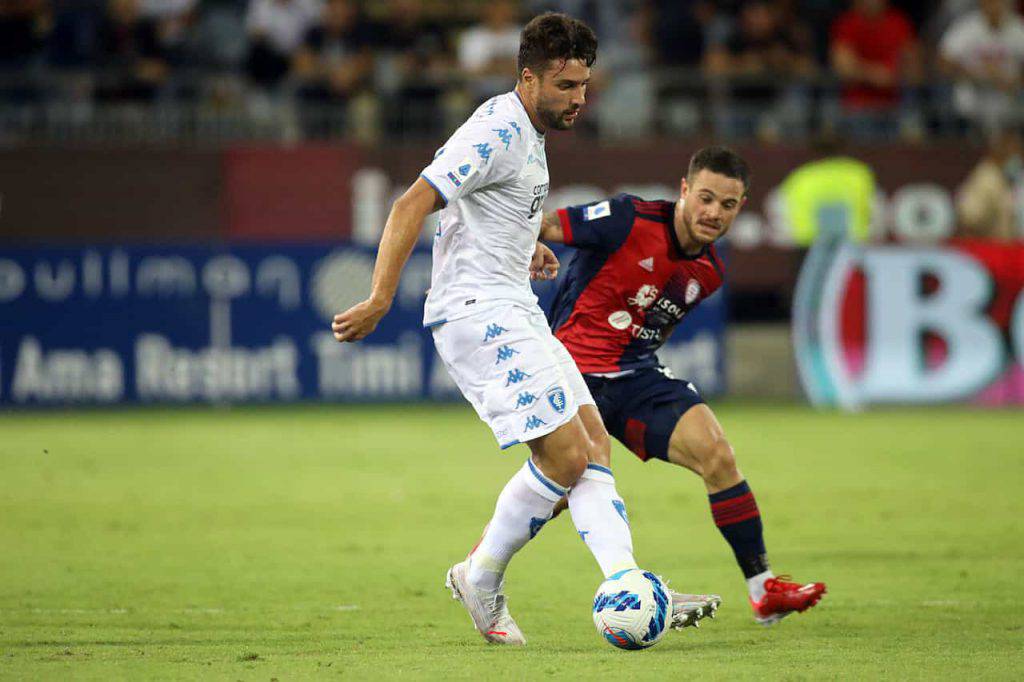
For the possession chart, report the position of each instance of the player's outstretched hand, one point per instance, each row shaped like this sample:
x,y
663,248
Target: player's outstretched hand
x,y
544,265
358,321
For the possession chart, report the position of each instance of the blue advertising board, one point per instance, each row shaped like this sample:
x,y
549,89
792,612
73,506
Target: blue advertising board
x,y
157,324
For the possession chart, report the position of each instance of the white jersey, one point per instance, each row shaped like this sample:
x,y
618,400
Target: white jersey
x,y
493,176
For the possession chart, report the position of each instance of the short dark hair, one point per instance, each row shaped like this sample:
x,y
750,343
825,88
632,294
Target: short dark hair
x,y
555,36
721,160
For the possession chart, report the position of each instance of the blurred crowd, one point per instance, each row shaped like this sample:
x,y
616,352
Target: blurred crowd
x,y
870,69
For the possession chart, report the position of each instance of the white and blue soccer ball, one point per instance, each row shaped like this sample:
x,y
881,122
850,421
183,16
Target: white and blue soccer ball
x,y
632,609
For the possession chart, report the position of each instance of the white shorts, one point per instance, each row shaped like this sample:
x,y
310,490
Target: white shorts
x,y
519,378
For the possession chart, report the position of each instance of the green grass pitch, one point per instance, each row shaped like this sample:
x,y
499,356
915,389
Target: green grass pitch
x,y
311,543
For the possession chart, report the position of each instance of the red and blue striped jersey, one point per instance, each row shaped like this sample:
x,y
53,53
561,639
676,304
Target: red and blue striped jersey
x,y
628,285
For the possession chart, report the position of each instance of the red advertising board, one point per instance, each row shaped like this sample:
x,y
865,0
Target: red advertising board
x,y
897,324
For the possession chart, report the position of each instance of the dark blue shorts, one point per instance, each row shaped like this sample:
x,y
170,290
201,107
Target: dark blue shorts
x,y
642,409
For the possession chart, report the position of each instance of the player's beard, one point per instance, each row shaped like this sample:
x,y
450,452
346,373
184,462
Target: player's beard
x,y
555,117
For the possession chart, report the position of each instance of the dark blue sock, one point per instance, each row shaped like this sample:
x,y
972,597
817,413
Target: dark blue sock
x,y
737,517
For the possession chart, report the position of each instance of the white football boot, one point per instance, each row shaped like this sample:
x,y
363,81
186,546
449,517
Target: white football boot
x,y
487,609
690,609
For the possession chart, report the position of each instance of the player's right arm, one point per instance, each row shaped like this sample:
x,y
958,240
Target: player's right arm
x,y
551,228
396,244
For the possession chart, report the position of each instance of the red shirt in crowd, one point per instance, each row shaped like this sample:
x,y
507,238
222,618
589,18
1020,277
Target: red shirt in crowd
x,y
881,40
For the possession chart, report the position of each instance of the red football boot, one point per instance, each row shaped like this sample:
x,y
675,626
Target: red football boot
x,y
782,598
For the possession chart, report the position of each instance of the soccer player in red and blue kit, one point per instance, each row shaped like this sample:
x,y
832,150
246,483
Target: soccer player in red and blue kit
x,y
641,266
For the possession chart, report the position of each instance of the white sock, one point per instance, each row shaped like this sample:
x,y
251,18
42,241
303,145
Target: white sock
x,y
523,507
755,585
600,518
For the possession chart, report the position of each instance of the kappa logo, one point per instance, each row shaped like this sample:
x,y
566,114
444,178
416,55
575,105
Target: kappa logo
x,y
505,353
556,398
599,210
692,291
644,297
647,264
525,399
536,523
515,376
504,135
484,150
534,422
487,108
494,331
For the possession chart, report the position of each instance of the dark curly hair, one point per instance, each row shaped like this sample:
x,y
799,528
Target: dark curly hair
x,y
555,36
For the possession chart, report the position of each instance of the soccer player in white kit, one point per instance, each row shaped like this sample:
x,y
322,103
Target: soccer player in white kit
x,y
491,179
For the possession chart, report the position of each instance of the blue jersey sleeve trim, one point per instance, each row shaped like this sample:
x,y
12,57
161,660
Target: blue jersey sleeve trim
x,y
598,467
436,188
428,325
506,446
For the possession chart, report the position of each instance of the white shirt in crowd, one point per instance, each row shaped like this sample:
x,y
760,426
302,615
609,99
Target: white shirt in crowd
x,y
480,44
973,43
284,23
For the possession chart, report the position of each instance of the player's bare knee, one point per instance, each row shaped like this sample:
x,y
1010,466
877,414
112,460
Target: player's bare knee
x,y
565,464
601,449
576,461
718,461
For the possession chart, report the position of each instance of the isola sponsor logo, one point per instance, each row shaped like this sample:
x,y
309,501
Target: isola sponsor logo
x,y
494,331
505,353
671,308
534,422
515,376
525,399
556,398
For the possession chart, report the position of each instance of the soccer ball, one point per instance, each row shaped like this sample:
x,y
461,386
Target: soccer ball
x,y
632,609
